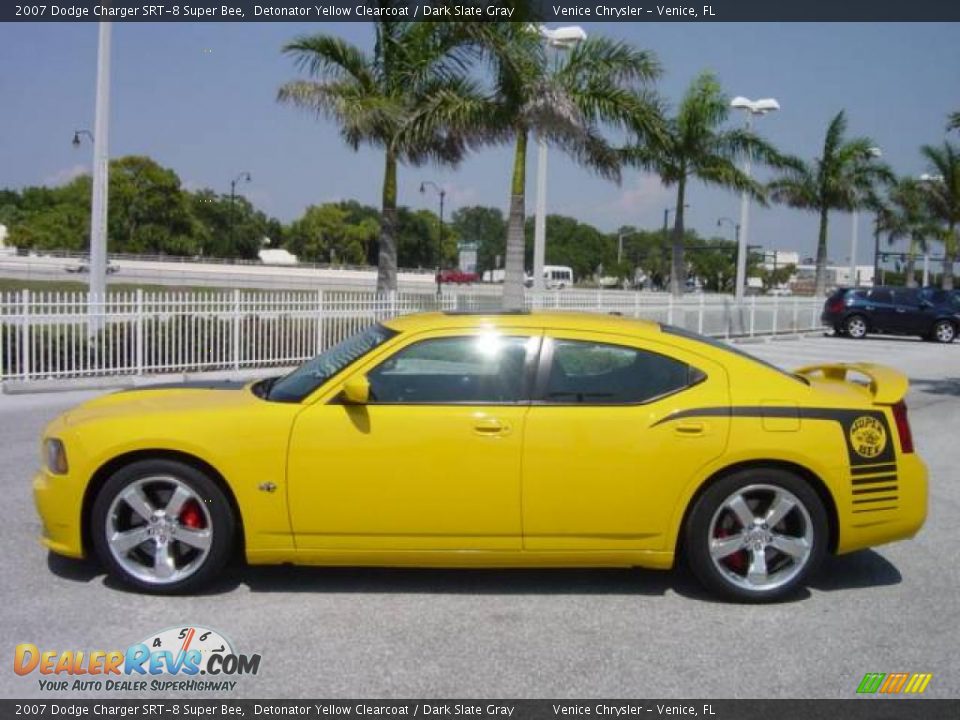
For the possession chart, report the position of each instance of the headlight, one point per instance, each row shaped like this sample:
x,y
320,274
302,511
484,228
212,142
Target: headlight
x,y
55,456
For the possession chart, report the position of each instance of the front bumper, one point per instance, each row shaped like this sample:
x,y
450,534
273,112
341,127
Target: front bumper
x,y
58,499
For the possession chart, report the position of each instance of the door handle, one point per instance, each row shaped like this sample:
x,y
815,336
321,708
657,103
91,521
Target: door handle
x,y
690,429
901,310
490,426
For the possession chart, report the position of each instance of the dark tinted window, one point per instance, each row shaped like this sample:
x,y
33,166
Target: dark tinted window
x,y
907,296
602,374
881,295
937,297
474,369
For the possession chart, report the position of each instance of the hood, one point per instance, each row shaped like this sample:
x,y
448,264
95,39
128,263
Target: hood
x,y
199,396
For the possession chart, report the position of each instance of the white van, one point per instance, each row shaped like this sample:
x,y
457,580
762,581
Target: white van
x,y
555,277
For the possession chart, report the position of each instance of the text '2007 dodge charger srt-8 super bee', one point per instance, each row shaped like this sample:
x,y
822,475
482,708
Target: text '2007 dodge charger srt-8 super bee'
x,y
457,440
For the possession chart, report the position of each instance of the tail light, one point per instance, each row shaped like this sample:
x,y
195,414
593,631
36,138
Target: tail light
x,y
835,305
903,427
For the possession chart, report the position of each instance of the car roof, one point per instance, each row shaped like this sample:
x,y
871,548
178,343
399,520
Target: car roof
x,y
567,320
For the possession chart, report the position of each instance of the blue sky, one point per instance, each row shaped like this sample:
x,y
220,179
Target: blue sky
x,y
200,99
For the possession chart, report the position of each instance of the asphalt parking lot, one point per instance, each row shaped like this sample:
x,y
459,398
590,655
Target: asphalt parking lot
x,y
412,633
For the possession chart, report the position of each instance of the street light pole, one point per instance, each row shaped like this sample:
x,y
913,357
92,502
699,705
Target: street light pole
x,y
101,170
443,194
563,38
245,177
752,108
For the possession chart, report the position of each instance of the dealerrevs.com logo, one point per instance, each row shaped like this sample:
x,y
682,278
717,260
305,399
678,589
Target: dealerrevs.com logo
x,y
170,660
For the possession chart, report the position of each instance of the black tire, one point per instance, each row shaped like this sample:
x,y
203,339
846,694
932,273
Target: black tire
x,y
944,332
700,533
855,327
217,512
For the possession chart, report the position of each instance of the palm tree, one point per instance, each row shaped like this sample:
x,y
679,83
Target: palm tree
x,y
842,178
953,121
943,196
565,100
907,217
694,145
373,96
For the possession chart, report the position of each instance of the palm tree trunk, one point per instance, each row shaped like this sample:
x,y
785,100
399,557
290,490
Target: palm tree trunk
x,y
821,281
949,253
387,258
516,238
911,271
678,268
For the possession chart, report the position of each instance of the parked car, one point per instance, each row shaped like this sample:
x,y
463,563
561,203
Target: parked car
x,y
457,277
505,439
83,266
930,313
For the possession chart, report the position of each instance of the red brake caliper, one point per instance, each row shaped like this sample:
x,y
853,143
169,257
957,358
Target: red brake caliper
x,y
738,560
190,515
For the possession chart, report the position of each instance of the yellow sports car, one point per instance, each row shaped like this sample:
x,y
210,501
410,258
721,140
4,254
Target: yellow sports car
x,y
459,440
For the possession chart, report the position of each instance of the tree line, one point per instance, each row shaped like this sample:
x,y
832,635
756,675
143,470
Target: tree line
x,y
151,213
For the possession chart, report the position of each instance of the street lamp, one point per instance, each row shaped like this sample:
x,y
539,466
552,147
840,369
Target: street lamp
x,y
734,225
560,39
752,108
928,178
242,177
76,137
871,153
443,194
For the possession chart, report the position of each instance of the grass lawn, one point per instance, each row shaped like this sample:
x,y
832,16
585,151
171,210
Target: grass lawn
x,y
15,285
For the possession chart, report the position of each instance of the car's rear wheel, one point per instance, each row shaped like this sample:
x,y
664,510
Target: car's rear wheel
x,y
162,526
756,535
944,331
855,327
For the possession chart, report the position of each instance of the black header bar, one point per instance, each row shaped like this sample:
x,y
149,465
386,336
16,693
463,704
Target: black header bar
x,y
569,11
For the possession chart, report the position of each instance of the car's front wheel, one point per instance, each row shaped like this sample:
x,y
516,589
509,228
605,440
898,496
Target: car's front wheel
x,y
162,526
944,331
756,535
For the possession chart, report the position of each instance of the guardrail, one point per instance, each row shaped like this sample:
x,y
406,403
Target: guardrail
x,y
47,335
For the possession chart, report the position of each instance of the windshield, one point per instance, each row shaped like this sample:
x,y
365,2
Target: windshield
x,y
313,373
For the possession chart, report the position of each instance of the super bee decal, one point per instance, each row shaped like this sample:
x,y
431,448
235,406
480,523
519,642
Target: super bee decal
x,y
866,432
867,437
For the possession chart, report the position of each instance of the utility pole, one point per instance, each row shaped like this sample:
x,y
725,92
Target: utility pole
x,y
101,171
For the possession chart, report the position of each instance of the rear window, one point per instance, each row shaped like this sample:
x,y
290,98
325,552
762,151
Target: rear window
x,y
719,345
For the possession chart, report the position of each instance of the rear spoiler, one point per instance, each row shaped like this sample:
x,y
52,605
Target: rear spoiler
x,y
888,386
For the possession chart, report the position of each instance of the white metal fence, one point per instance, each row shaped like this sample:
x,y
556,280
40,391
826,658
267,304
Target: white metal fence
x,y
47,335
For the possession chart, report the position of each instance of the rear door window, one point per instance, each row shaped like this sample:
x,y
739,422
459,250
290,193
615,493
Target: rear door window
x,y
881,295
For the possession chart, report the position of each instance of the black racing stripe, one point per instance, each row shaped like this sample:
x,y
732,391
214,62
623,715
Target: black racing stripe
x,y
870,469
882,488
874,480
864,501
868,510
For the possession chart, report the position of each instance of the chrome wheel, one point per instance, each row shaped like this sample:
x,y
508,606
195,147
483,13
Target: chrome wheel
x,y
760,538
944,332
856,327
158,529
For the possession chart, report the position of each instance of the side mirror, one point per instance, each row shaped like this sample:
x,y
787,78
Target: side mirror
x,y
356,391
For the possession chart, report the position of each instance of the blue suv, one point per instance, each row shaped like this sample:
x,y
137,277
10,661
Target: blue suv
x,y
931,313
